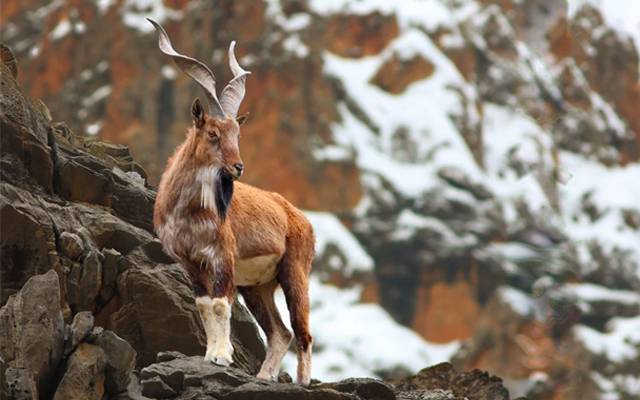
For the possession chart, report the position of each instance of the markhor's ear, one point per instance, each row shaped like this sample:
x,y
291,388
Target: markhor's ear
x,y
197,112
242,118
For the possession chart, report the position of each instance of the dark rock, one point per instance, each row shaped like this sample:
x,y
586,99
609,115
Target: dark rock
x,y
32,330
9,60
435,377
24,135
474,385
19,384
246,337
168,356
71,245
155,388
27,238
153,249
79,182
80,328
284,377
192,376
90,282
95,334
110,267
258,391
457,178
479,385
437,394
84,377
364,387
121,359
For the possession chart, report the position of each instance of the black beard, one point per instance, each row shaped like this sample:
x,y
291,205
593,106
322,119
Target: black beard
x,y
224,193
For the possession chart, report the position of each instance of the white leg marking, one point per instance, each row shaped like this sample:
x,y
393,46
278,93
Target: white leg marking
x,y
204,305
277,348
221,328
304,366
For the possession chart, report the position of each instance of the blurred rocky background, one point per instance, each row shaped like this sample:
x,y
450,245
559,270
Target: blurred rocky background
x,y
471,169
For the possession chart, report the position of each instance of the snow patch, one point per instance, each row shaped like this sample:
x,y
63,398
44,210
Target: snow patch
x,y
619,343
100,94
136,12
329,230
519,301
168,72
62,29
94,128
294,45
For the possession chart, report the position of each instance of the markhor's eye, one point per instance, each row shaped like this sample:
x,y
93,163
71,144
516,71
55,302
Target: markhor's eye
x,y
213,136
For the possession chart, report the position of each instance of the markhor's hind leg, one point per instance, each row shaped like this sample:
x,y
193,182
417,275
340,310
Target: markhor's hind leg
x,y
293,278
259,300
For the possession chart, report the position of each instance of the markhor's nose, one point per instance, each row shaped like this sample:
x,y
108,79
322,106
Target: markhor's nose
x,y
239,167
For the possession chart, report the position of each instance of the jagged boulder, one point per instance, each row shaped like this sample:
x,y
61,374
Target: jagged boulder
x,y
42,359
85,375
32,335
120,359
444,382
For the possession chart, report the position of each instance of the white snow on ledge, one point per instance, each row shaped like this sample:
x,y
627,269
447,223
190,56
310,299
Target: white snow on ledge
x,y
329,230
519,301
591,293
618,344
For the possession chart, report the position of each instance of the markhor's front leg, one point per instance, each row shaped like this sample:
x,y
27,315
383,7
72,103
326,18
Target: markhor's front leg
x,y
213,288
221,328
215,306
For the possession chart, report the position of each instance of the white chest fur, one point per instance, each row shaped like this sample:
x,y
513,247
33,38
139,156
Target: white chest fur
x,y
255,271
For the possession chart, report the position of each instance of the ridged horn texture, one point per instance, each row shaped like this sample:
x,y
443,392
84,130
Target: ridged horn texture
x,y
195,69
233,93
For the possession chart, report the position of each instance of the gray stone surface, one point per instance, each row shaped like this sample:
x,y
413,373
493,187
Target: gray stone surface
x,y
192,377
32,330
121,359
84,377
80,328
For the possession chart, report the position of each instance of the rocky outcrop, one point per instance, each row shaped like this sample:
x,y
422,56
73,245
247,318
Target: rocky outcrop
x,y
181,377
84,377
79,213
43,358
443,380
32,338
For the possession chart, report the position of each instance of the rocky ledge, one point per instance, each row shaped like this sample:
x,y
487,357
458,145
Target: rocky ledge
x,y
181,377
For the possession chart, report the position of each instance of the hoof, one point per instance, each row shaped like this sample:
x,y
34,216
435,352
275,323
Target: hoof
x,y
221,361
303,382
267,377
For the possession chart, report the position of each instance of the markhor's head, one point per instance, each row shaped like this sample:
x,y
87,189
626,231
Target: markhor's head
x,y
217,128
